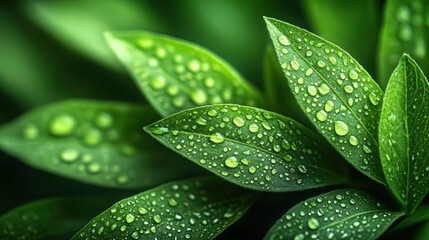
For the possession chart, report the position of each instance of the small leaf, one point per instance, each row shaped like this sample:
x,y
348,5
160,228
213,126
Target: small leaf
x,y
419,216
189,209
49,217
91,141
404,134
251,147
340,214
405,29
337,94
176,75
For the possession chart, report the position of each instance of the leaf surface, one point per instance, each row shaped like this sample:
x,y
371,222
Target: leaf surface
x,y
175,75
340,214
251,147
337,94
405,29
404,134
92,141
49,217
421,215
189,209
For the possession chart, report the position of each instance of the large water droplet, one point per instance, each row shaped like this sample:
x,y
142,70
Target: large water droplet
x,y
199,96
231,162
312,90
92,137
284,40
322,116
104,120
253,127
348,89
201,121
94,168
217,138
324,89
212,113
129,218
194,65
31,132
157,218
341,128
373,99
302,168
238,121
353,140
159,130
353,74
158,82
62,125
313,223
69,155
329,106
295,64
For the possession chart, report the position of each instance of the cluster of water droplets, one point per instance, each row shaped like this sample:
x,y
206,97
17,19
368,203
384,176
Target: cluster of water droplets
x,y
335,91
78,142
256,148
183,210
180,76
342,214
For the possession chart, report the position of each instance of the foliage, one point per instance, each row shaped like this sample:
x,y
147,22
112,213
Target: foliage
x,y
348,161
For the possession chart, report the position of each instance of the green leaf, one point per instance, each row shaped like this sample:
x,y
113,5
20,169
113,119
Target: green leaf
x,y
251,147
92,141
405,29
49,217
345,21
404,134
340,214
419,216
337,94
189,209
80,24
422,233
175,75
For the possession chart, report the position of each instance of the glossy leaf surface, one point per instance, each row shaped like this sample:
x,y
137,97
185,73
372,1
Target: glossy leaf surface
x,y
91,141
337,94
175,75
340,214
189,209
405,29
49,217
404,134
250,147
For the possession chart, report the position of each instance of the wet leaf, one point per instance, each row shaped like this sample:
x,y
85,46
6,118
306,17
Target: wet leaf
x,y
175,75
337,94
49,217
404,134
91,141
340,214
405,29
421,215
80,24
251,147
189,209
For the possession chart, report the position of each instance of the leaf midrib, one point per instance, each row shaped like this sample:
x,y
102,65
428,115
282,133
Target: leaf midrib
x,y
349,217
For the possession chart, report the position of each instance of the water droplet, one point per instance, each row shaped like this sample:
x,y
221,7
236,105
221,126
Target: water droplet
x,y
321,63
312,90
309,72
199,96
157,218
92,136
212,113
194,65
366,149
209,82
373,99
302,168
142,210
135,235
62,125
253,128
94,168
324,89
348,89
313,223
159,130
122,179
201,121
31,132
329,106
129,218
231,162
321,115
403,14
217,138
284,40
69,155
341,128
333,60
294,63
353,74
158,82
104,120
353,140
300,236
172,202
238,121
287,158
252,169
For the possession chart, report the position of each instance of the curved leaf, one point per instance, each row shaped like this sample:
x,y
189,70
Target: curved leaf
x,y
422,233
91,141
421,215
251,147
405,29
337,94
189,209
340,214
176,75
80,24
49,217
404,134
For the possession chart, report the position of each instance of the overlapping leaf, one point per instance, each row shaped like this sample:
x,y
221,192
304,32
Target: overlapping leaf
x,y
250,147
404,134
421,215
189,209
337,94
405,29
49,217
91,141
340,214
176,75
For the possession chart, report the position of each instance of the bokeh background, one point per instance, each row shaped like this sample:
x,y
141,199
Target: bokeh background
x,y
52,50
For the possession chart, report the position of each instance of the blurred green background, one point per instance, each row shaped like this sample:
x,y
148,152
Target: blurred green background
x,y
52,50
